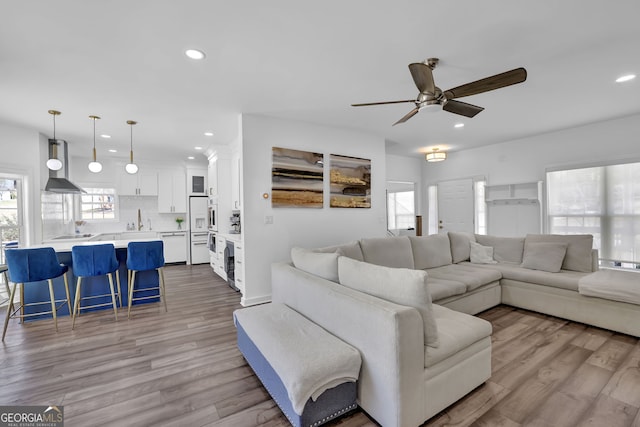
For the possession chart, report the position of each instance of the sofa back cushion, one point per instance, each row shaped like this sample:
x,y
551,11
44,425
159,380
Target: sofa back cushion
x,y
430,251
505,249
460,245
392,252
324,265
578,256
545,256
351,250
399,285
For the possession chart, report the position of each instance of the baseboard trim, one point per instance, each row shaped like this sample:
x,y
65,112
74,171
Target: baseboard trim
x,y
246,302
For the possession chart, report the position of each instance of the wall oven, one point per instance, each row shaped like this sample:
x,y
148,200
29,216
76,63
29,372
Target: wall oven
x,y
213,217
211,245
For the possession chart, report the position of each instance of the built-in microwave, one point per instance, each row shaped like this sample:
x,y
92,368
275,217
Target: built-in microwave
x,y
213,217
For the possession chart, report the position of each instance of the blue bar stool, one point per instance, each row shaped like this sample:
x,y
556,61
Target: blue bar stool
x,y
144,256
34,265
92,261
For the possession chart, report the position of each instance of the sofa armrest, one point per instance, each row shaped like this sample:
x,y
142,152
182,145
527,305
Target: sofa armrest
x,y
595,260
389,337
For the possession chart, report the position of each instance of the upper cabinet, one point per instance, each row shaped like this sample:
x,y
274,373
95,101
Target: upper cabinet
x,y
212,175
236,180
172,192
197,182
139,184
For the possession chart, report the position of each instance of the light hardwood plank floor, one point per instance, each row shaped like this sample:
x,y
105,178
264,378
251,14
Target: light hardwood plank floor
x,y
182,368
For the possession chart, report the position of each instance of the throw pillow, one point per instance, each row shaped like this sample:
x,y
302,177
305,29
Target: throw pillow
x,y
460,248
430,251
481,254
545,256
399,285
324,265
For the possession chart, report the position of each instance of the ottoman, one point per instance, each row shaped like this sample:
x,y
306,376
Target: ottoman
x,y
310,373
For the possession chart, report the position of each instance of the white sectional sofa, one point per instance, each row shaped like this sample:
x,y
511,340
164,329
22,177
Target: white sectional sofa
x,y
422,351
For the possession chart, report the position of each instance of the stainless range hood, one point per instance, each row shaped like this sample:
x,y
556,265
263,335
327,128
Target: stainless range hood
x,y
58,184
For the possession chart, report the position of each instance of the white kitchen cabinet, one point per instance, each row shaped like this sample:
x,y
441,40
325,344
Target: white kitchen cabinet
x,y
175,246
212,175
139,184
172,192
221,244
197,182
236,180
239,265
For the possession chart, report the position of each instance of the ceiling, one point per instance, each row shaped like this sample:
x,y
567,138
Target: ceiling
x,y
124,60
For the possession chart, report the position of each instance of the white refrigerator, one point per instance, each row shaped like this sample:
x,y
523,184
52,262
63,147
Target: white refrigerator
x,y
199,226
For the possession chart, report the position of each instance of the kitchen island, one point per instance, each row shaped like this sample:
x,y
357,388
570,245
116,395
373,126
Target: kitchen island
x,y
91,286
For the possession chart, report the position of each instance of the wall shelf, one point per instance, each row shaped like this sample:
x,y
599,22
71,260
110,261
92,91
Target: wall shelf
x,y
514,210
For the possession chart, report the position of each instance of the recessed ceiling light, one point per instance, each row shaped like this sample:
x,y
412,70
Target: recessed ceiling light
x,y
105,136
113,151
190,157
208,134
458,125
625,78
198,148
194,53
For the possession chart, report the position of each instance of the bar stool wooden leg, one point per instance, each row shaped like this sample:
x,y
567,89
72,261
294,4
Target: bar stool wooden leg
x,y
113,296
53,304
131,285
76,303
66,289
6,319
161,280
119,288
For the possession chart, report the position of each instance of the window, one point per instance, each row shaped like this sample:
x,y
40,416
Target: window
x,y
98,204
401,213
603,201
10,213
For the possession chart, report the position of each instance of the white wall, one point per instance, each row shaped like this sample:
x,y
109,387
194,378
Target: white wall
x,y
526,160
24,153
265,244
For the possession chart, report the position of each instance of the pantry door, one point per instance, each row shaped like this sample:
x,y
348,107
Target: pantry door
x,y
455,206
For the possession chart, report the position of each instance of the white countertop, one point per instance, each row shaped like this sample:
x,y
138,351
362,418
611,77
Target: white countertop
x,y
236,237
67,244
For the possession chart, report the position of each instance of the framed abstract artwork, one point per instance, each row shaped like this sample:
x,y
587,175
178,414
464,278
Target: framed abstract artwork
x,y
350,182
296,179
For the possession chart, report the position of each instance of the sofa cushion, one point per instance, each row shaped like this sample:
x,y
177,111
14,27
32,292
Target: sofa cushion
x,y
505,249
430,251
442,288
460,248
392,252
457,331
472,275
545,256
321,264
400,285
351,250
565,279
481,254
616,285
578,256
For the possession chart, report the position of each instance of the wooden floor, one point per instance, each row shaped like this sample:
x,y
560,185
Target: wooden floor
x,y
182,368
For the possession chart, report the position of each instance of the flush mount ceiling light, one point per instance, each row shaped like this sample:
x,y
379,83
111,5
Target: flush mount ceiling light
x,y
54,163
435,155
625,78
95,166
131,167
194,54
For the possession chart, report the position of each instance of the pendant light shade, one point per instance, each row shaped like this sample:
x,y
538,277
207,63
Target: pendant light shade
x,y
54,163
436,156
131,167
95,166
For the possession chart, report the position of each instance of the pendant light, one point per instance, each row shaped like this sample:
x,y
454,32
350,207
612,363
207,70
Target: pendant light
x,y
94,166
54,163
131,167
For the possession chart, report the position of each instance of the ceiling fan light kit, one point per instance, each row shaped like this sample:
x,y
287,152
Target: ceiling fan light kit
x,y
436,155
432,98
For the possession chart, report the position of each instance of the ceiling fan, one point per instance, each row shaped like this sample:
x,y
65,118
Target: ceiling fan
x,y
431,96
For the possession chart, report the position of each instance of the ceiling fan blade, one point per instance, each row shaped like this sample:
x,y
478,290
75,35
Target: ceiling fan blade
x,y
422,77
408,116
383,103
462,108
498,81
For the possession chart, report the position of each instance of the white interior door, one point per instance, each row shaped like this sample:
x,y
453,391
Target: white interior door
x,y
455,206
